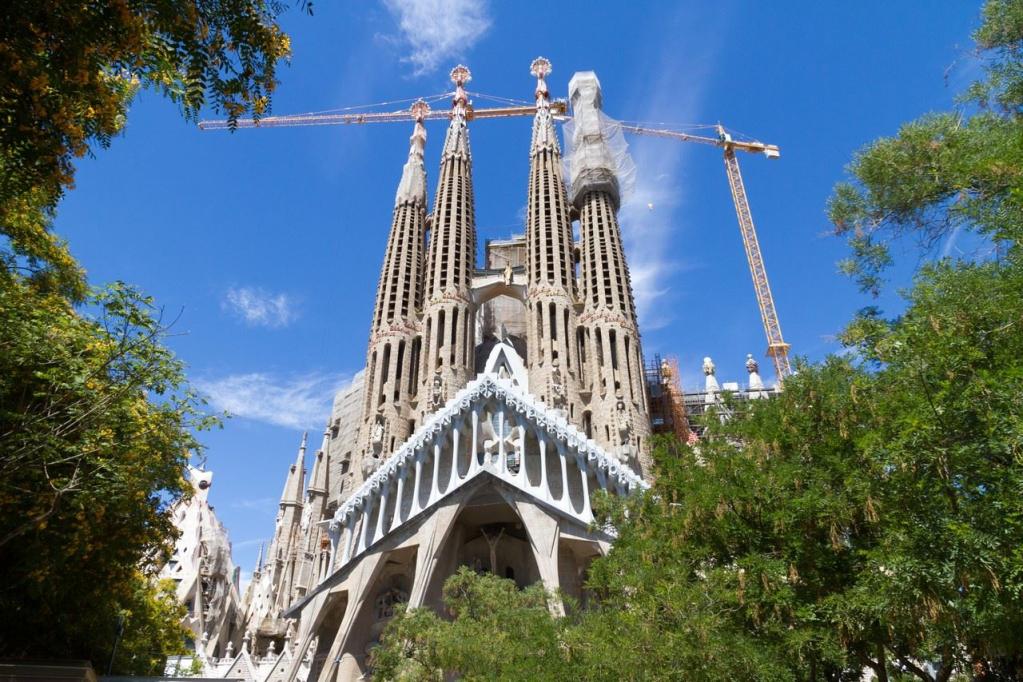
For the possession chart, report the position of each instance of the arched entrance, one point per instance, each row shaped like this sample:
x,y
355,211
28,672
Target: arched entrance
x,y
489,537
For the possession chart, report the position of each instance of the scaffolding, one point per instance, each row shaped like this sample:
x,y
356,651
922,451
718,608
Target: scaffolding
x,y
667,402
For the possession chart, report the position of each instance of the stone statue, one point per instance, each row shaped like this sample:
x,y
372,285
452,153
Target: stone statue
x,y
751,364
437,394
711,386
377,439
559,401
509,274
624,428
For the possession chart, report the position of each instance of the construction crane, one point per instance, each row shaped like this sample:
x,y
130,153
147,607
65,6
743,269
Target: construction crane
x,y
559,107
777,349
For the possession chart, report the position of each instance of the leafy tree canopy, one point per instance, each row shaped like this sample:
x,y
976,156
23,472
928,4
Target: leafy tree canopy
x,y
944,172
96,423
497,632
69,71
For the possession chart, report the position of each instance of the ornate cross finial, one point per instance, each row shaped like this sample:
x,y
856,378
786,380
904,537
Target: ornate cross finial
x,y
419,110
460,75
540,68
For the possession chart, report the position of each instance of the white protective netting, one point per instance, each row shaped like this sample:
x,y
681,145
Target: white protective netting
x,y
596,154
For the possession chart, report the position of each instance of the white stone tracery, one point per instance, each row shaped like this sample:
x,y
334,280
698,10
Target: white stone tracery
x,y
535,450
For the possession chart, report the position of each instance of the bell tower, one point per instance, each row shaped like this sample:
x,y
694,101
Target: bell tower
x,y
551,319
618,417
393,354
448,326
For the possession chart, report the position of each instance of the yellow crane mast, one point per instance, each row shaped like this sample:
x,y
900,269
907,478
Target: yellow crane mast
x,y
777,349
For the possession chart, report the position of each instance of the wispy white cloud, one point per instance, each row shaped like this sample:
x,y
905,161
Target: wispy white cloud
x,y
260,308
434,31
950,242
299,401
249,543
653,233
244,579
253,503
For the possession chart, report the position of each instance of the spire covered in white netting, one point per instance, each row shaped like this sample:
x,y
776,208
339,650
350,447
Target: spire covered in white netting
x,y
597,156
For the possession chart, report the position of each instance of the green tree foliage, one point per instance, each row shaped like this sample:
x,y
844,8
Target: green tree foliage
x,y
871,516
96,425
150,623
496,632
69,71
944,172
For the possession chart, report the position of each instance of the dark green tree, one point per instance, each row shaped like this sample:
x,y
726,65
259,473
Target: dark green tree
x,y
96,425
496,632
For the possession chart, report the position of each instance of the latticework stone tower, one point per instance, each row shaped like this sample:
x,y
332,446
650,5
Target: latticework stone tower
x,y
394,348
617,412
448,315
551,320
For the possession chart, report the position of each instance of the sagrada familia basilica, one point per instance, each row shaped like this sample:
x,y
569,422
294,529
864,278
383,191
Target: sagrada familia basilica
x,y
495,403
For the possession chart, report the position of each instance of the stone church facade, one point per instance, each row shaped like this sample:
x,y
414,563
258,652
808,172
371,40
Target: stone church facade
x,y
496,401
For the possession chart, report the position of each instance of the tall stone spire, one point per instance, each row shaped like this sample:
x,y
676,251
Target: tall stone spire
x,y
552,340
448,315
619,417
392,357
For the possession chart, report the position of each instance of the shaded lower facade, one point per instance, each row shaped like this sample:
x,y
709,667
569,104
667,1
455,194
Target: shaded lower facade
x,y
487,525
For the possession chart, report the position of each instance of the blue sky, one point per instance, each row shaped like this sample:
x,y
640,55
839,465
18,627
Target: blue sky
x,y
269,242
